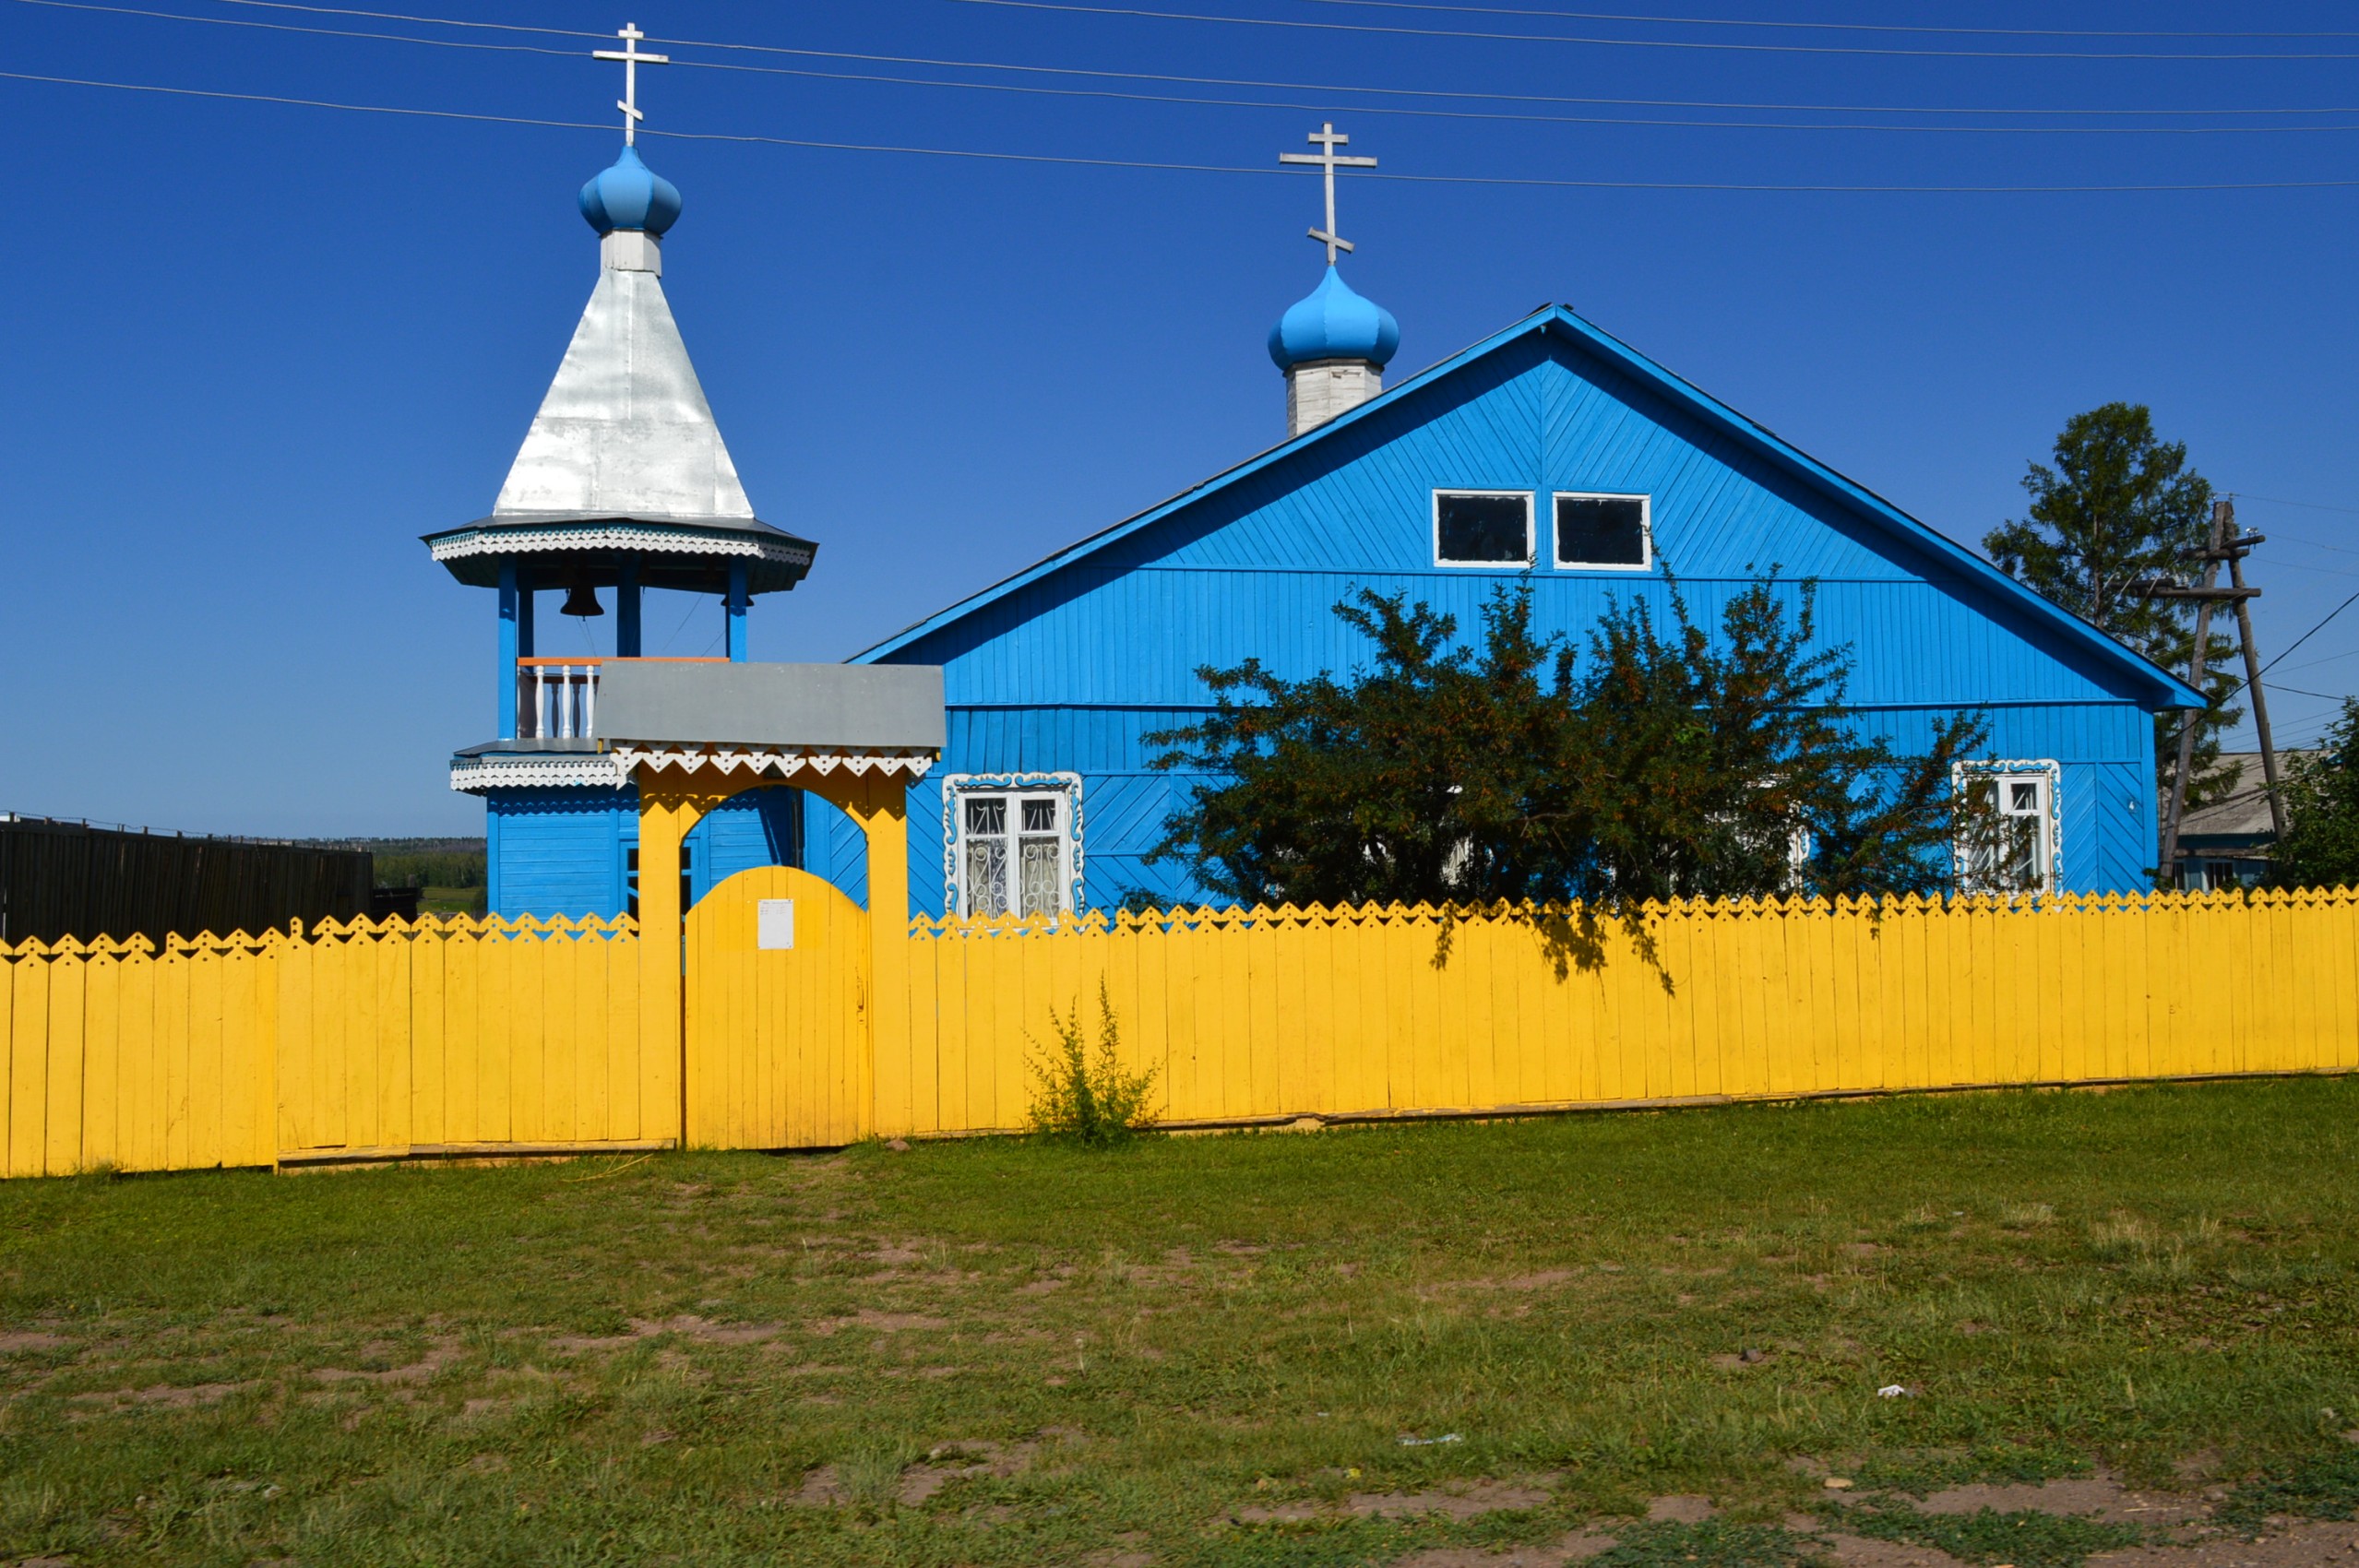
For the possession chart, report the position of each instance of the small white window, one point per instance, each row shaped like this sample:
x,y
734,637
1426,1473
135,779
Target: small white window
x,y
1613,532
2017,847
1012,844
1482,528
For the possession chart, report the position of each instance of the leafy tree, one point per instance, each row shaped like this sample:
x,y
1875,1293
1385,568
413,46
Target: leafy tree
x,y
2321,844
1663,765
2121,507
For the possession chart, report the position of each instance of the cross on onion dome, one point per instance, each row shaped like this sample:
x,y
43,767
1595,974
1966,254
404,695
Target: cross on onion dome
x,y
1326,140
632,60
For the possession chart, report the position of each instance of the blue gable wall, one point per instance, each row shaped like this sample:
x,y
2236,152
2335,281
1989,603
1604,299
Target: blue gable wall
x,y
567,851
1067,669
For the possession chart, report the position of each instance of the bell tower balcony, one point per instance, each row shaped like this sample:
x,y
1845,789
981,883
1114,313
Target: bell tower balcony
x,y
557,699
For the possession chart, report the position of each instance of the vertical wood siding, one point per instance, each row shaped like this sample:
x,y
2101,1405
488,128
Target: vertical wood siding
x,y
1067,671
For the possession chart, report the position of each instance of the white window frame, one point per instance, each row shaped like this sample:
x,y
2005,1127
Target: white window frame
x,y
1646,532
960,787
2049,776
1530,545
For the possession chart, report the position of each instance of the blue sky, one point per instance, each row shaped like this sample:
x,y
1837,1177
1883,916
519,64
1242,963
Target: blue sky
x,y
257,348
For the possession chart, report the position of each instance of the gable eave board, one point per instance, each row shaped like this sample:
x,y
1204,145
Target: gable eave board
x,y
2169,690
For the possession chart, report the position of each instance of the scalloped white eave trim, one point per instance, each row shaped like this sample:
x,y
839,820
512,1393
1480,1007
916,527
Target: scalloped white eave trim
x,y
912,761
612,770
614,536
593,769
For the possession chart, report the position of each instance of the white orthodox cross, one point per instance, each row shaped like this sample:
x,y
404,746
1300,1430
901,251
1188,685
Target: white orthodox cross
x,y
632,60
1325,139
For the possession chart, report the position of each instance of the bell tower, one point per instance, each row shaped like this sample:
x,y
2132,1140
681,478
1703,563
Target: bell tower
x,y
623,483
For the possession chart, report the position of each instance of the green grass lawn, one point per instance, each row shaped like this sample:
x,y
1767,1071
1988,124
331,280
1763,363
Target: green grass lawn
x,y
1190,1351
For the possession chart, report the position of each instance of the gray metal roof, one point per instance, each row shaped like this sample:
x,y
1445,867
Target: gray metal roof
x,y
850,706
2243,814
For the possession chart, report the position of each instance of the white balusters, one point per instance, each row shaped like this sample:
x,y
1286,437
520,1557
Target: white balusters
x,y
557,699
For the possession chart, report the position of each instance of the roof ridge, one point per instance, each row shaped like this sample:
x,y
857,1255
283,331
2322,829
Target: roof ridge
x,y
2174,692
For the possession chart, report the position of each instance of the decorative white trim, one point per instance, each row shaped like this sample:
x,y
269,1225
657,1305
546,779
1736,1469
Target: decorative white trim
x,y
1645,562
955,786
910,761
2050,774
612,769
1530,540
510,541
515,770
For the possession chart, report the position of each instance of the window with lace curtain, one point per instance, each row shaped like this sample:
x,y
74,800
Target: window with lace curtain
x,y
2014,843
1011,849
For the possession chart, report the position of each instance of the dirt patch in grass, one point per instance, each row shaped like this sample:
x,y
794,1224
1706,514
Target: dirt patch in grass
x,y
1464,1501
443,1353
687,1326
1684,1509
1578,1546
870,1478
22,1340
1544,1279
162,1395
2309,1545
2099,1496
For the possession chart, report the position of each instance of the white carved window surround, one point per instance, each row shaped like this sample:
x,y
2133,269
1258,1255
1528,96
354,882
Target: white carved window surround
x,y
2023,850
1011,844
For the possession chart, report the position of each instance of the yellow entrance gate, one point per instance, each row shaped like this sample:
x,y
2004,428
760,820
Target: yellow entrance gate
x,y
777,1051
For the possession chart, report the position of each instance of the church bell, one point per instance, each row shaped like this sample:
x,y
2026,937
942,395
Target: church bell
x,y
581,599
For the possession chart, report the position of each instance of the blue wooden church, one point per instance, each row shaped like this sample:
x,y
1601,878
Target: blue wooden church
x,y
1549,453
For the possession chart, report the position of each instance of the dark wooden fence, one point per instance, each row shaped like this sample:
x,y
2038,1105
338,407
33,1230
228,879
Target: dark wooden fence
x,y
69,879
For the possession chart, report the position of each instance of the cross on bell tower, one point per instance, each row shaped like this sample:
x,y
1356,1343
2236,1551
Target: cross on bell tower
x,y
1326,140
632,60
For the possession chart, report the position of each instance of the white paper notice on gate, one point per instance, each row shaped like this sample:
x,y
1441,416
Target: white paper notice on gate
x,y
774,924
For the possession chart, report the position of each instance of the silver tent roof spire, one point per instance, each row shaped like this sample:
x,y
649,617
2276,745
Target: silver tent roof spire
x,y
624,429
624,458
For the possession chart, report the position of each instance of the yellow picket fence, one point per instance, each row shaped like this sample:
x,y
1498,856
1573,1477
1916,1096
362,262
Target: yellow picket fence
x,y
358,1041
374,1040
1249,1015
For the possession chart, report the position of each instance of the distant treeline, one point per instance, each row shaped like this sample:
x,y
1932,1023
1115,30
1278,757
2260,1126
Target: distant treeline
x,y
423,862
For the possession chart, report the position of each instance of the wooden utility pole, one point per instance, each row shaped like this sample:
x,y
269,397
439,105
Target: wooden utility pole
x,y
2187,726
2236,554
2226,545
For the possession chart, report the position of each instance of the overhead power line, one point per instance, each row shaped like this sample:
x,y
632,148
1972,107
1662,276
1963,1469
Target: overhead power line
x,y
398,17
1260,83
986,155
2313,632
2305,505
1294,23
313,31
1188,101
1499,115
1822,27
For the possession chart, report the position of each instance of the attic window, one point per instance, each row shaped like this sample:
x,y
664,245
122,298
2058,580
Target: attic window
x,y
1482,528
1603,531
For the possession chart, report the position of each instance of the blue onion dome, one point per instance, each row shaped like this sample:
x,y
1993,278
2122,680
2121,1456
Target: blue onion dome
x,y
1333,323
629,195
